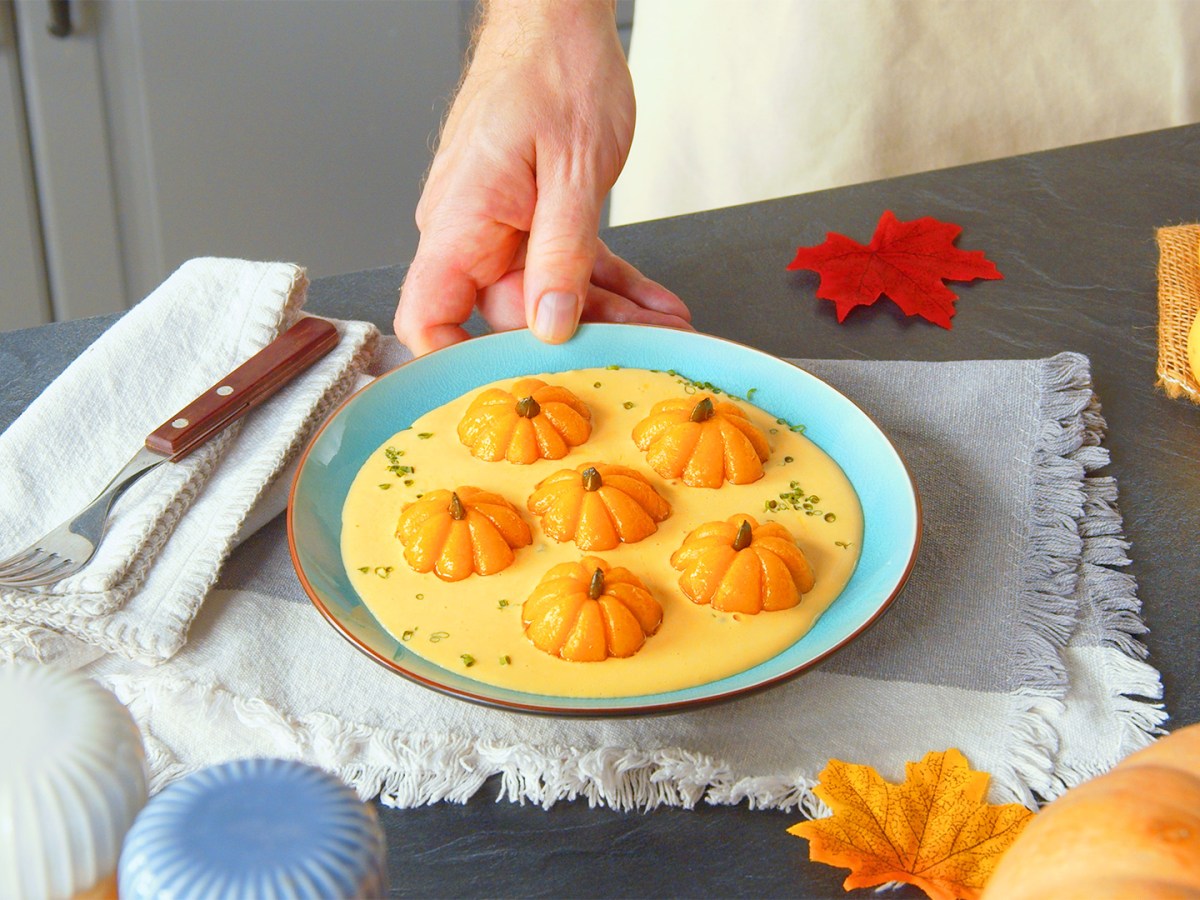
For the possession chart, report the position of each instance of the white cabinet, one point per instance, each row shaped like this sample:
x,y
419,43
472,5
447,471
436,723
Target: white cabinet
x,y
24,299
160,130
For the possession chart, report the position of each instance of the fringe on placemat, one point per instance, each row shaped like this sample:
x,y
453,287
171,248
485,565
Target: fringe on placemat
x,y
1111,621
1178,304
1025,775
1075,580
1112,594
406,770
1056,508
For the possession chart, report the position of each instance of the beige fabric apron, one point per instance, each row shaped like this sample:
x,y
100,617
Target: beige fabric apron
x,y
743,100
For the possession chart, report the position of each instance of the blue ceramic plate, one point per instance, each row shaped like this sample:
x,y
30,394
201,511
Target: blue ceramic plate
x,y
333,457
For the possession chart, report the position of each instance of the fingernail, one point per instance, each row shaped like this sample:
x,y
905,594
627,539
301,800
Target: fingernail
x,y
556,317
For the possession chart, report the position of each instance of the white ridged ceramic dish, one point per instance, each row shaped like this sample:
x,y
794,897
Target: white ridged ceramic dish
x,y
72,780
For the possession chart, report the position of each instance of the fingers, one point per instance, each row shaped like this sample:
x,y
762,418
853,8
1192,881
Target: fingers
x,y
503,304
559,259
436,298
616,275
605,306
442,283
568,275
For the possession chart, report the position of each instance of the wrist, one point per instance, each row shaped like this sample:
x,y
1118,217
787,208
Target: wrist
x,y
510,26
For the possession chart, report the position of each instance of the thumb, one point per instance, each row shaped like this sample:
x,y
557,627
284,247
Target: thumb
x,y
559,260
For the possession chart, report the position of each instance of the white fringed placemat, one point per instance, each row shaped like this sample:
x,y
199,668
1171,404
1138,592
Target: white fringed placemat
x,y
1015,641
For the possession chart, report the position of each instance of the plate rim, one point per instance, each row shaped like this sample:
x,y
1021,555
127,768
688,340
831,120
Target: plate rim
x,y
624,711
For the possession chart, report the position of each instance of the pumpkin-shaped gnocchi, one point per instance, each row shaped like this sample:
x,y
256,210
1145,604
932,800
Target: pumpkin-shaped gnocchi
x,y
587,611
458,533
741,566
531,421
704,442
598,506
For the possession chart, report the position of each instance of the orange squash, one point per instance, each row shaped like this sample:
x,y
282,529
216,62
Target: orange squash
x,y
1131,833
458,533
588,611
531,421
741,566
703,441
598,506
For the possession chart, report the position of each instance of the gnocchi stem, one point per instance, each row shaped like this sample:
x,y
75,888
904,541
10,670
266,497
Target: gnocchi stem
x,y
703,411
596,588
528,408
744,535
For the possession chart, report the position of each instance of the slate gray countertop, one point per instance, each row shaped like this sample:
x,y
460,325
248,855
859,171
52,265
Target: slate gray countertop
x,y
1072,230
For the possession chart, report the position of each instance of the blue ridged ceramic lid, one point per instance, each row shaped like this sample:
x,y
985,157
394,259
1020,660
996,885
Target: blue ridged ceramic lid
x,y
261,828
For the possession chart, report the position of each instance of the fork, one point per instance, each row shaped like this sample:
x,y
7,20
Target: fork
x,y
66,549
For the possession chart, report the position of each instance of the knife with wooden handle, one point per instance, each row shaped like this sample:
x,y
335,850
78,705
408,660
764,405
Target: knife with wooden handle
x,y
244,388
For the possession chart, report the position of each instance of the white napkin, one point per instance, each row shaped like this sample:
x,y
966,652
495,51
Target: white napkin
x,y
169,534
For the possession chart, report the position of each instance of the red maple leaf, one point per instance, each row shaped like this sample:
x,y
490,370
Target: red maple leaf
x,y
908,261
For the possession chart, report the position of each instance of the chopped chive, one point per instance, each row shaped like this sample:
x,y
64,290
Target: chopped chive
x,y
383,571
504,660
628,404
788,459
385,487
596,384
830,517
407,636
612,368
438,636
364,569
502,604
750,393
420,596
796,499
408,482
425,435
468,660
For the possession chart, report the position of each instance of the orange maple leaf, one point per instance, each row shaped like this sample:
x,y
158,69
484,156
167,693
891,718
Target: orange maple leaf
x,y
935,830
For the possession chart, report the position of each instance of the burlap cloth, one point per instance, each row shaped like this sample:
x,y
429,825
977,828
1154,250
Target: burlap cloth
x,y
1178,303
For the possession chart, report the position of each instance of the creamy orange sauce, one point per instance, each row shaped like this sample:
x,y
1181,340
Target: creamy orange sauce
x,y
478,620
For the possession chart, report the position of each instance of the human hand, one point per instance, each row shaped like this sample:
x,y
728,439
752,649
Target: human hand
x,y
510,213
